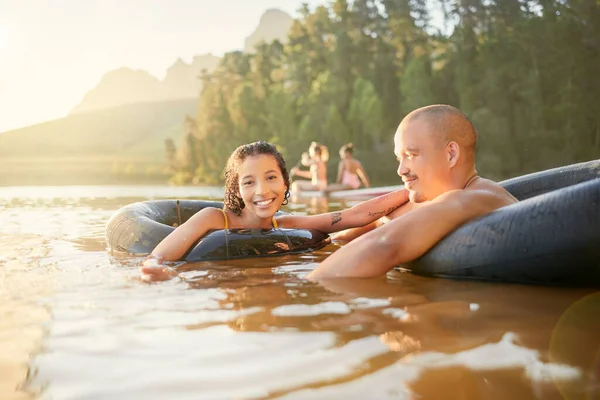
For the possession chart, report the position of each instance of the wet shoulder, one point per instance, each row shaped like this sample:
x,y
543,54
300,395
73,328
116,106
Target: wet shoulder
x,y
211,218
493,187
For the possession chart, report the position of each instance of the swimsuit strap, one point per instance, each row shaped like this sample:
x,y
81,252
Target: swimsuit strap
x,y
226,221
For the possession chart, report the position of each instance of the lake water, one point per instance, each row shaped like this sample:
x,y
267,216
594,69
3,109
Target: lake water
x,y
77,323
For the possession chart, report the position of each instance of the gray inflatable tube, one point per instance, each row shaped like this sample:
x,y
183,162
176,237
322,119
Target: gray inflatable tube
x,y
137,228
551,237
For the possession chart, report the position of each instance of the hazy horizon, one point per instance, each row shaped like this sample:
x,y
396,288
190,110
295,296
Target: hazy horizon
x,y
53,53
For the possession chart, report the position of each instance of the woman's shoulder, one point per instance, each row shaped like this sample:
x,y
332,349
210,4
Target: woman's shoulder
x,y
211,216
210,211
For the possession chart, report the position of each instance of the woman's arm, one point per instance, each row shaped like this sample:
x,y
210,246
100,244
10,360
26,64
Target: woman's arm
x,y
340,172
359,215
175,245
297,172
363,175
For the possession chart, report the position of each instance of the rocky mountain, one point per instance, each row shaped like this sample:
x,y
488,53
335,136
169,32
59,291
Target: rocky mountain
x,y
182,79
127,86
120,130
132,86
274,25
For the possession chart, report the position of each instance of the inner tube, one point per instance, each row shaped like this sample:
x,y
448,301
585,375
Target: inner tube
x,y
537,183
551,237
137,228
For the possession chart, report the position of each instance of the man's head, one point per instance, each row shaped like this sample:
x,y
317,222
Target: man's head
x,y
435,146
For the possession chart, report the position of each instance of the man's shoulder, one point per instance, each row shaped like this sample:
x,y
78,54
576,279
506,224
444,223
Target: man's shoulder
x,y
490,186
484,183
484,191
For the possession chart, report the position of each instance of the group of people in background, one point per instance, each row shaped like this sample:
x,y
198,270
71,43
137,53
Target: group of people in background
x,y
350,171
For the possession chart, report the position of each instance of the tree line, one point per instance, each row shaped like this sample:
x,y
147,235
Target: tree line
x,y
527,73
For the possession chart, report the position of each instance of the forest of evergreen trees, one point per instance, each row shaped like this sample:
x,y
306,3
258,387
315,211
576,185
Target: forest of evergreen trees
x,y
526,72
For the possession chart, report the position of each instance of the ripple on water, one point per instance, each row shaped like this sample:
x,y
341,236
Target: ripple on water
x,y
23,287
80,319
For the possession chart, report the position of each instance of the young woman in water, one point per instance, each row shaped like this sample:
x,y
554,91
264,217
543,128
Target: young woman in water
x,y
350,171
256,186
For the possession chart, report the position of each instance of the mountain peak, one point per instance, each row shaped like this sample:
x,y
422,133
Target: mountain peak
x,y
179,63
272,14
126,86
132,85
274,24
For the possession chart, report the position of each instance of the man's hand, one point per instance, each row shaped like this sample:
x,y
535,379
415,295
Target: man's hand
x,y
350,234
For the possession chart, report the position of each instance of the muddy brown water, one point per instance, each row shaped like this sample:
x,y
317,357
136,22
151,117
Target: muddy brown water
x,y
77,323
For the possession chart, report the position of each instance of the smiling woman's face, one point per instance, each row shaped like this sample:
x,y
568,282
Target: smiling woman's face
x,y
261,185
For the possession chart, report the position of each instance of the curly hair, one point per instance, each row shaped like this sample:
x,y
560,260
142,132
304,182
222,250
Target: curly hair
x,y
233,202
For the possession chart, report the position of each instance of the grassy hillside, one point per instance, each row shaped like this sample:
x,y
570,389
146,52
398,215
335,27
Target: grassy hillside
x,y
123,144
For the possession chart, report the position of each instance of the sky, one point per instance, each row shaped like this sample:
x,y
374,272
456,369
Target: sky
x,y
53,51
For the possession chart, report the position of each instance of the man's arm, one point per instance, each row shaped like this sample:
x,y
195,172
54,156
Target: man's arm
x,y
407,237
351,234
359,215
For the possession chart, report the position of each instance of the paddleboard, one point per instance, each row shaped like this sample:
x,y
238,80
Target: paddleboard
x,y
348,194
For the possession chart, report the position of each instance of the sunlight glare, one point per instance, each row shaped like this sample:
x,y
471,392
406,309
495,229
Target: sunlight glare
x,y
7,34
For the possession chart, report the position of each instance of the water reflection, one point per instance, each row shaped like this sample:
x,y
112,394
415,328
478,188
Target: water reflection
x,y
464,339
311,204
78,318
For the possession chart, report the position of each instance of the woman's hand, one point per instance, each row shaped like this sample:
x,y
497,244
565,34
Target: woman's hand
x,y
154,271
157,273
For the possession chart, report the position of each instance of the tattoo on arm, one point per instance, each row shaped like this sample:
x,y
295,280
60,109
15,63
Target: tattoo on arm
x,y
381,213
336,217
389,210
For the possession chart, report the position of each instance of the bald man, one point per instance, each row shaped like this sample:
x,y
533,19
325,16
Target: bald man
x,y
435,148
